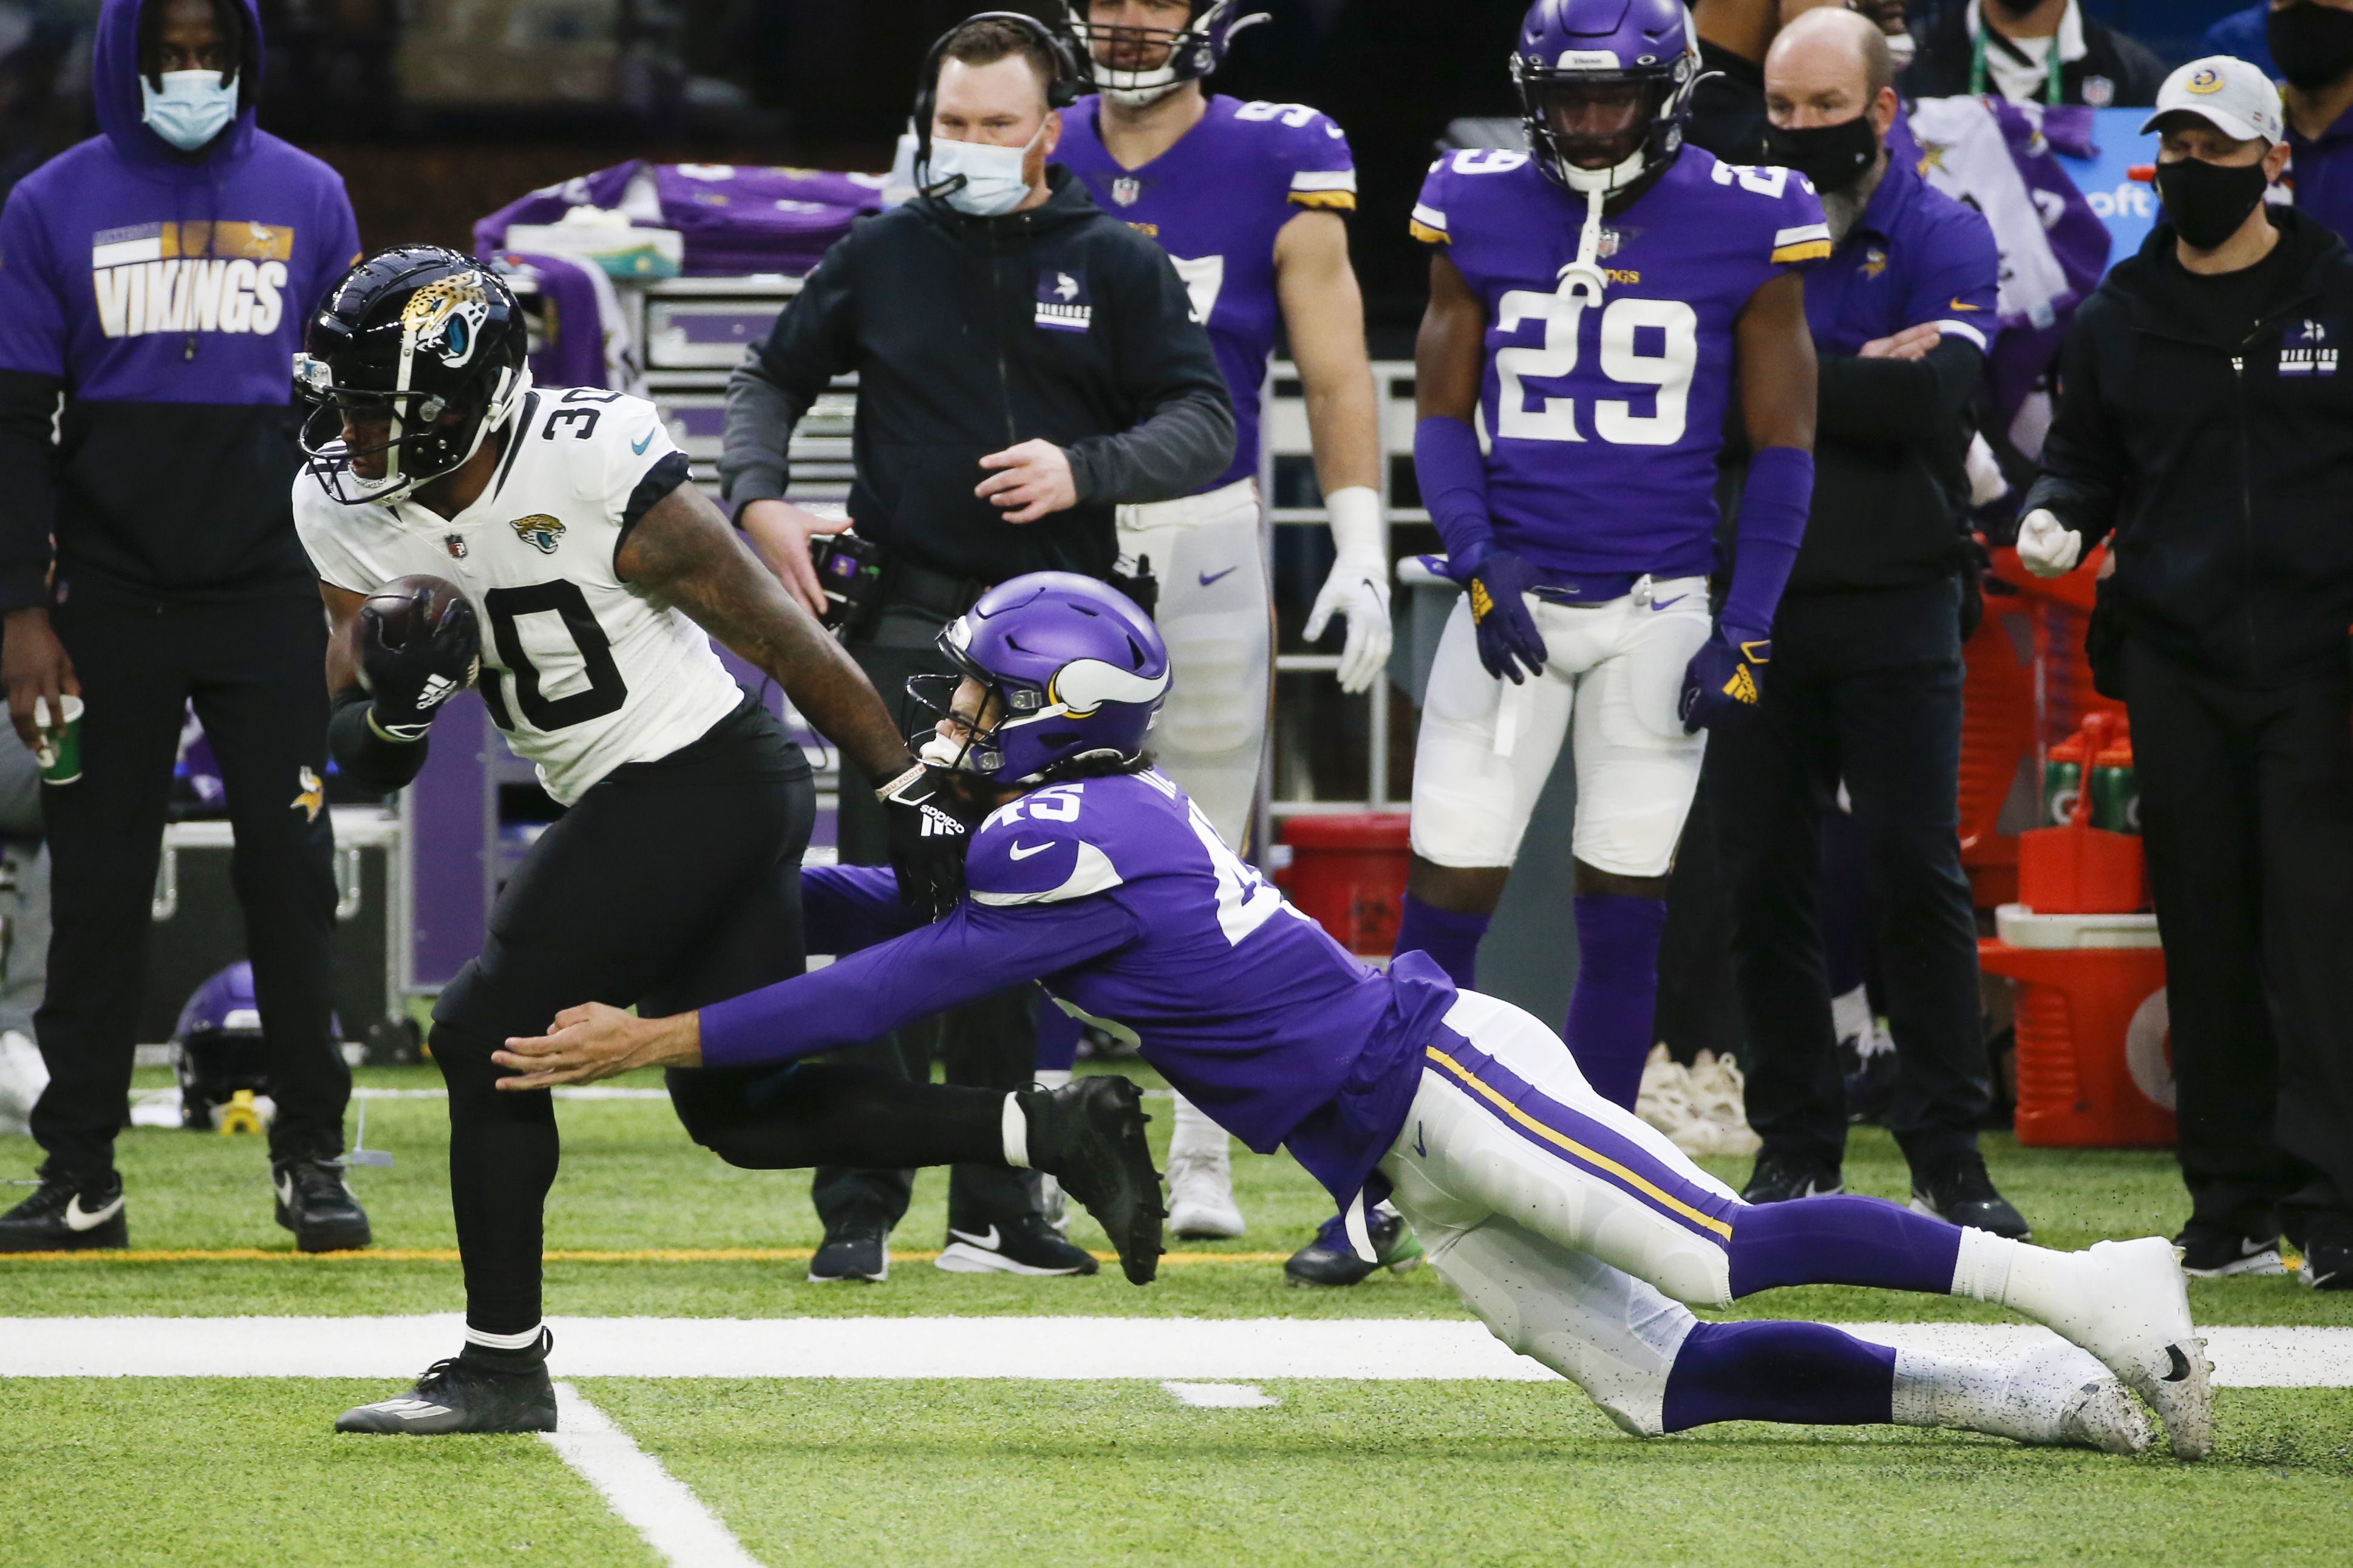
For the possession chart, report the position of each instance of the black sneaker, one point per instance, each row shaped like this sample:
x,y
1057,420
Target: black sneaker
x,y
1329,1259
2327,1265
1024,1245
1089,1136
855,1249
2217,1252
461,1396
1779,1178
67,1213
314,1202
1960,1193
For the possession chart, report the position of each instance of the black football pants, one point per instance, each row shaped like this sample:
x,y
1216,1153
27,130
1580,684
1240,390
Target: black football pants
x,y
988,1044
1844,702
669,885
254,671
2247,815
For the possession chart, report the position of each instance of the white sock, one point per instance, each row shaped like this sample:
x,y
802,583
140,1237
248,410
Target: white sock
x,y
2032,1280
1194,1135
1052,1077
1934,1390
525,1341
1016,1135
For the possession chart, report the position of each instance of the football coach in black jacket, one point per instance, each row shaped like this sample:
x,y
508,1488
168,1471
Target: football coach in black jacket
x,y
2203,416
1026,364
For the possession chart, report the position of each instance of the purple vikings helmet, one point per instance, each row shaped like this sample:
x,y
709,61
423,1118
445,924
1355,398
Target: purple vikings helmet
x,y
1605,86
1078,672
1185,54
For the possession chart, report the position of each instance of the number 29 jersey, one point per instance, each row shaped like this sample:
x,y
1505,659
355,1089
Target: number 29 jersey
x,y
1601,425
584,671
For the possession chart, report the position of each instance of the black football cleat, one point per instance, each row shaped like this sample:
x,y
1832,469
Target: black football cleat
x,y
1089,1135
2218,1252
1330,1260
2327,1265
1959,1191
459,1396
855,1249
317,1205
1780,1178
67,1213
1025,1245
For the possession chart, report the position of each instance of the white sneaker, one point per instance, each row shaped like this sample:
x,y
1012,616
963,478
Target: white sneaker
x,y
2133,1312
2061,1397
1201,1196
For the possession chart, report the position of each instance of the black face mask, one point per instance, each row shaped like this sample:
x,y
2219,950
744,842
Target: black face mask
x,y
2313,44
2017,7
2208,202
1834,157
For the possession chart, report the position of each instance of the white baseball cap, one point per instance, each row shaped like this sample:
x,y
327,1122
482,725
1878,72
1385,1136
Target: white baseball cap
x,y
2233,96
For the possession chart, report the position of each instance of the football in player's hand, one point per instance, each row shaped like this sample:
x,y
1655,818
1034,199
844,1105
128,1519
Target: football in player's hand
x,y
397,608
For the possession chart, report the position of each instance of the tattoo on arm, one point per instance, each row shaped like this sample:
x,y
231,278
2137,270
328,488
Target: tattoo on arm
x,y
683,550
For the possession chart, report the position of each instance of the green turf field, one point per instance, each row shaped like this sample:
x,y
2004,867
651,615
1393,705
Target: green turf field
x,y
199,1470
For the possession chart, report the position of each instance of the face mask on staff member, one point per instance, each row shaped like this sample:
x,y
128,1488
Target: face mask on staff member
x,y
991,135
2221,146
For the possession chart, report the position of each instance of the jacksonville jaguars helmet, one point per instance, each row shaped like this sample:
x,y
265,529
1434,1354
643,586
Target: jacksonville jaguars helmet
x,y
1183,54
1076,671
422,343
1605,86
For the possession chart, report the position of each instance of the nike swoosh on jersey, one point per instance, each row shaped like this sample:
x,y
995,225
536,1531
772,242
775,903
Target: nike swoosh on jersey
x,y
1209,577
1018,853
641,443
987,1242
80,1218
1959,305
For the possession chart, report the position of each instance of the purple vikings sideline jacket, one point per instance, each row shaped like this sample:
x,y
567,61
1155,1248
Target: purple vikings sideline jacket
x,y
164,294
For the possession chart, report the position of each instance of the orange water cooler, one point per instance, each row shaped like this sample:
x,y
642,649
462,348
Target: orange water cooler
x,y
1348,873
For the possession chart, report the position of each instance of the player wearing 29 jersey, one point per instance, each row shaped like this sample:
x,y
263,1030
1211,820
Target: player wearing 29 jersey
x,y
1573,1229
1249,201
1593,304
566,519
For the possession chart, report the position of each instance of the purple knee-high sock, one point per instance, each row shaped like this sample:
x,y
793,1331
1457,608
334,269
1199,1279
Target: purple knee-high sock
x,y
1057,1038
1617,991
1840,1241
1804,1373
1451,940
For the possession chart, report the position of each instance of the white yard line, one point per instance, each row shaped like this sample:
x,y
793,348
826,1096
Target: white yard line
x,y
1221,1395
1156,1349
651,1501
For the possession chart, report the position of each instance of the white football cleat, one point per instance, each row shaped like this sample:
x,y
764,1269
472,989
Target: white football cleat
x,y
2132,1311
1201,1196
2061,1397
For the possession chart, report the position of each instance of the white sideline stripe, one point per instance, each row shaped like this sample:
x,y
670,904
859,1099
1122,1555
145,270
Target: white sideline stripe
x,y
1221,1395
1158,1349
651,1501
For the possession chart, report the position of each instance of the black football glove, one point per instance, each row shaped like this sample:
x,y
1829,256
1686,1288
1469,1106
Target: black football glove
x,y
1723,682
410,682
929,835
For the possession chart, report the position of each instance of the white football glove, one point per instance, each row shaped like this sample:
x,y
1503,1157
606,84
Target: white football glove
x,y
1359,586
2047,547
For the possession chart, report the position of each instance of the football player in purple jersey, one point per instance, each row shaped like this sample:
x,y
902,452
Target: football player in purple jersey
x,y
1247,199
1594,302
1577,1232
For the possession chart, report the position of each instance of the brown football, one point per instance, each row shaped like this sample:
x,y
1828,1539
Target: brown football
x,y
396,604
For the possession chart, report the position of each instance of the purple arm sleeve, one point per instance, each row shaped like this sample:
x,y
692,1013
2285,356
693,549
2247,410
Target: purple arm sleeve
x,y
1452,473
849,908
1772,521
973,952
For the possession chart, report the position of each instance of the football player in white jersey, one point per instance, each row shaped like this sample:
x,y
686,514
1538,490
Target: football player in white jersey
x,y
566,521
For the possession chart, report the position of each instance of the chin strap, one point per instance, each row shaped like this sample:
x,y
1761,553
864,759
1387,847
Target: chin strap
x,y
1583,277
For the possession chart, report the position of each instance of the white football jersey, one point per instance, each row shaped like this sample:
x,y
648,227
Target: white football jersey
x,y
584,671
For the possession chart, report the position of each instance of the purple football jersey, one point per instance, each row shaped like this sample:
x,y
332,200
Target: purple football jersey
x,y
1602,426
1215,202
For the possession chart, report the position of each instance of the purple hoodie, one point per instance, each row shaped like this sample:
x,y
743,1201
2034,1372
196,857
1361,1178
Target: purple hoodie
x,y
165,293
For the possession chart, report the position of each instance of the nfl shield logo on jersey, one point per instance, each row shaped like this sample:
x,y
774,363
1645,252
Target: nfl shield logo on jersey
x,y
539,531
1127,190
455,543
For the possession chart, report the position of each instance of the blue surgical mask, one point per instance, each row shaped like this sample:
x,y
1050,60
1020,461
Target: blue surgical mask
x,y
193,106
992,181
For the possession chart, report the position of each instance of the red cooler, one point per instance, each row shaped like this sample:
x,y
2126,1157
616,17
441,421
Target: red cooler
x,y
1348,873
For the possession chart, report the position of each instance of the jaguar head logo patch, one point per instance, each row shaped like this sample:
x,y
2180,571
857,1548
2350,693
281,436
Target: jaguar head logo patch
x,y
539,531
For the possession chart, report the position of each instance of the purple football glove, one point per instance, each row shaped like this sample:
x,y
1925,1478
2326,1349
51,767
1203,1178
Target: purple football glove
x,y
1724,678
1498,582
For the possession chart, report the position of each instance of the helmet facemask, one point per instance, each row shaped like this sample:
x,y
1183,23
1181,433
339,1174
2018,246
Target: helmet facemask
x,y
1136,67
1602,130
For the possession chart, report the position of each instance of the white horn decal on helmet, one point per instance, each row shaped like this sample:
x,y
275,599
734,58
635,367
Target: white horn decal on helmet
x,y
1084,685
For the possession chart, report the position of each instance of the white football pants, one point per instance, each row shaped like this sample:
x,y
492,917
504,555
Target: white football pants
x,y
1487,745
1570,1226
1216,613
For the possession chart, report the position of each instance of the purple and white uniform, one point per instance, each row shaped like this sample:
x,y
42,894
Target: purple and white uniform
x,y
1565,1221
1215,201
1602,428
